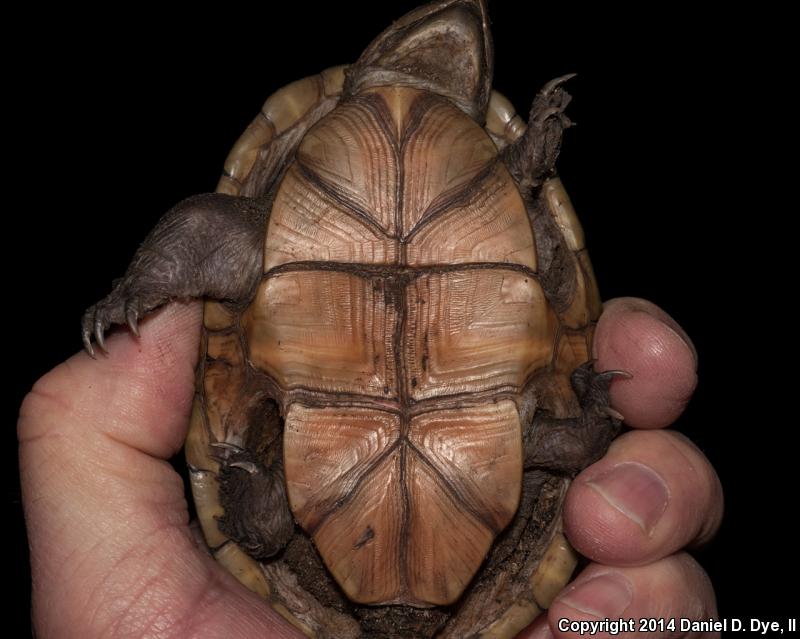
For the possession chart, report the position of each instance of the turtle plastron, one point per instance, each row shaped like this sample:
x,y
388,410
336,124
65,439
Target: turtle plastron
x,y
393,389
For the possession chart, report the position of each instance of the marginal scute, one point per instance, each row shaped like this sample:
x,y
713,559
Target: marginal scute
x,y
282,110
292,619
225,347
571,351
333,80
594,302
585,305
515,619
244,153
287,105
502,120
228,185
205,491
561,209
315,620
554,571
196,446
223,381
216,316
203,476
246,569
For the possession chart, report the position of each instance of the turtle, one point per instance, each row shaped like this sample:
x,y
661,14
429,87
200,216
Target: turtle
x,y
395,385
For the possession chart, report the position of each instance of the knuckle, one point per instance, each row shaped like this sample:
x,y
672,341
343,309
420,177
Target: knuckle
x,y
45,402
696,597
702,485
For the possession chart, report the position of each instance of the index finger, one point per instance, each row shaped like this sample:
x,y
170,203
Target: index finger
x,y
636,336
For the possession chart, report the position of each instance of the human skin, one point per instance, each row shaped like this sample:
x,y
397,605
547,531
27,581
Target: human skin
x,y
113,554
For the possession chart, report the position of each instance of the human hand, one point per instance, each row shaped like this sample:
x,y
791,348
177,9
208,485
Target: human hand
x,y
111,549
112,554
653,494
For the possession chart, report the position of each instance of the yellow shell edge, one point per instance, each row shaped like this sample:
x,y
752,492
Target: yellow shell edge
x,y
244,568
553,573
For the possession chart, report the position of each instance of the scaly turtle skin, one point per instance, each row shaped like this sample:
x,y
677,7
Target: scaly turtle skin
x,y
395,385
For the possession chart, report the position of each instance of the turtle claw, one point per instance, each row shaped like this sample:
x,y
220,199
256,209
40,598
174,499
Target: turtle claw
x,y
227,446
223,452
87,344
555,83
592,388
551,102
613,414
132,318
99,334
96,321
123,305
250,467
607,376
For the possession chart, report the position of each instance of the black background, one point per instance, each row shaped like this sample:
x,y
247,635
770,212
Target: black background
x,y
670,169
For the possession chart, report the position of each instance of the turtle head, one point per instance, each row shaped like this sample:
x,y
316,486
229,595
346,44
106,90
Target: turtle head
x,y
444,47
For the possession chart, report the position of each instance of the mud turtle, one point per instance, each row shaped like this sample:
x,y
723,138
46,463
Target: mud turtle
x,y
395,384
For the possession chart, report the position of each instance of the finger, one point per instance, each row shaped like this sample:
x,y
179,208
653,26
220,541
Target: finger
x,y
539,629
139,394
636,336
652,494
673,588
112,554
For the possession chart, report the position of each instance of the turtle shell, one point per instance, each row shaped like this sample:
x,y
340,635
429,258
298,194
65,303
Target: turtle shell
x,y
400,278
398,340
401,327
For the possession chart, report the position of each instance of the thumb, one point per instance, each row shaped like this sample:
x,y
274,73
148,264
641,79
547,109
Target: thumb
x,y
111,551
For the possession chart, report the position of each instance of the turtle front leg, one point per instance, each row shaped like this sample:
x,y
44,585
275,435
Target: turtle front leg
x,y
207,246
569,445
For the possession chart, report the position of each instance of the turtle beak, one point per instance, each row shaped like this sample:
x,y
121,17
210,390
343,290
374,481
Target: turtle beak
x,y
444,47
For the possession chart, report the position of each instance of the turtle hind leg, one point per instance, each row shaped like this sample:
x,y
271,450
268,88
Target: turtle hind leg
x,y
568,445
253,496
252,486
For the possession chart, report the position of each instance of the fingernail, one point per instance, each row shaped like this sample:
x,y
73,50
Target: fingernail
x,y
635,490
603,596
